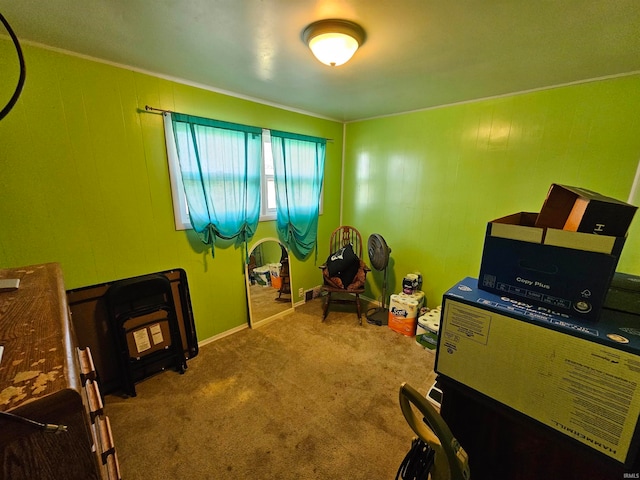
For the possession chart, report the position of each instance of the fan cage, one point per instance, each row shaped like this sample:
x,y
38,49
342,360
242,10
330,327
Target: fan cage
x,y
379,253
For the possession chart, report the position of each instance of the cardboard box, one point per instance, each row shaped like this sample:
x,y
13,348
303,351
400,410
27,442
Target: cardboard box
x,y
581,380
580,210
563,272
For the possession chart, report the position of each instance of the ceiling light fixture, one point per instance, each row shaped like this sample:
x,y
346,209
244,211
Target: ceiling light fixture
x,y
333,41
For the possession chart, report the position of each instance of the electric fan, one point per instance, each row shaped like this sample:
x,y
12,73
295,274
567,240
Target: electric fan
x,y
379,258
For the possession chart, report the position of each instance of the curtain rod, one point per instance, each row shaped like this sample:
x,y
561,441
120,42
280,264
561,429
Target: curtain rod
x,y
149,109
160,110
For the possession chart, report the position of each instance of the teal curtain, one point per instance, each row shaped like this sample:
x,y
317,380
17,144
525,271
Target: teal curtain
x,y
298,166
220,167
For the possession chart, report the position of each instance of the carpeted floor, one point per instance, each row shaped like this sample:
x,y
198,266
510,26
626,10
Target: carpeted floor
x,y
293,399
265,302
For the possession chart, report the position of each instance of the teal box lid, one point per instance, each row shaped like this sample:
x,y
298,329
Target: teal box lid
x,y
616,329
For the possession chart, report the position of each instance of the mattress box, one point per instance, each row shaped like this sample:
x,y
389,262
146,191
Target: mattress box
x,y
581,380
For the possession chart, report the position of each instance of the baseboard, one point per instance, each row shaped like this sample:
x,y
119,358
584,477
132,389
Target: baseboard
x,y
371,301
260,323
226,333
239,328
312,293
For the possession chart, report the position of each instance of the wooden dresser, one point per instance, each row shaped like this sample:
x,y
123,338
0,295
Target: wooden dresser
x,y
46,378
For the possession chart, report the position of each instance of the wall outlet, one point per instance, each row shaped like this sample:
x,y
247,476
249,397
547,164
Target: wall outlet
x,y
301,292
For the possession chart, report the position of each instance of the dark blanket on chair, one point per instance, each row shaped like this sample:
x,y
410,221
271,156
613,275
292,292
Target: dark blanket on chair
x,y
343,264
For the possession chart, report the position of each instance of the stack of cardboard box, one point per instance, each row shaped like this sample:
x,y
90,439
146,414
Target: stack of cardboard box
x,y
561,260
537,331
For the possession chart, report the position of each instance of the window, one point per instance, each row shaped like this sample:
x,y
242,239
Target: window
x,y
298,162
267,182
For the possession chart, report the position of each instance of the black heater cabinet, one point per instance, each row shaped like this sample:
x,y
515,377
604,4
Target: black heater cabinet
x,y
145,329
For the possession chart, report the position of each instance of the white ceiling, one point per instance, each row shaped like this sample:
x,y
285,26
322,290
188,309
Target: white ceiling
x,y
418,53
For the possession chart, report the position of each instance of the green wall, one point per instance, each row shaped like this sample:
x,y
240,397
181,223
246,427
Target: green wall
x,y
271,253
429,181
84,180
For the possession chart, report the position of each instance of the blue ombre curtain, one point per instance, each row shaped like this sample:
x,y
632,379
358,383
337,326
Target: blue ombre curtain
x,y
298,166
220,165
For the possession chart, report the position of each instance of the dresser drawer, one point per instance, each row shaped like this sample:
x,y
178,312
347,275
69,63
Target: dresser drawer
x,y
113,468
46,378
106,445
87,368
100,426
94,400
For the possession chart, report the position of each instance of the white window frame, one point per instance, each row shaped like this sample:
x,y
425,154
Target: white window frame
x,y
266,213
180,208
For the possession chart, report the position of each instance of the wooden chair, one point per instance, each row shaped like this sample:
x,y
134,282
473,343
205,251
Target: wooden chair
x,y
285,288
341,237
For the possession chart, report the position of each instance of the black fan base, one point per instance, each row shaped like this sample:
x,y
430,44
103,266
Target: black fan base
x,y
378,316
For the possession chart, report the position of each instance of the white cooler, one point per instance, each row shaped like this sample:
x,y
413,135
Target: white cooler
x,y
261,275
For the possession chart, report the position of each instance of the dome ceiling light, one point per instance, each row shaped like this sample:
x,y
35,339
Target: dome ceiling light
x,y
333,41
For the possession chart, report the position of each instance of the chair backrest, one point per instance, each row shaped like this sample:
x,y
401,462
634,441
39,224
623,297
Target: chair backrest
x,y
343,236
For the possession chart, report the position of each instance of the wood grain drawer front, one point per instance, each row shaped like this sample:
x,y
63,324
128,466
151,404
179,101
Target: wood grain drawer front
x,y
94,400
87,368
45,377
113,468
106,445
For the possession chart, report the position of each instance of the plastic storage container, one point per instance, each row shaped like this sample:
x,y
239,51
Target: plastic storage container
x,y
262,275
427,329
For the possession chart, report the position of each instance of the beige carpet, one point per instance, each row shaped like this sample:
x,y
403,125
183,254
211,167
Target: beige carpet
x,y
266,303
293,399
